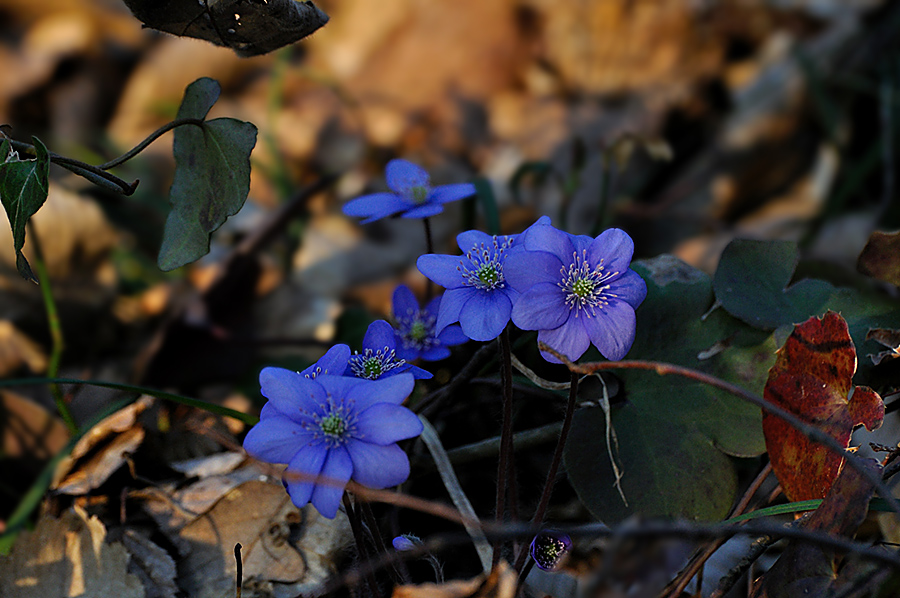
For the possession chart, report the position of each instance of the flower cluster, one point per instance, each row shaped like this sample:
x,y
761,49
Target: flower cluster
x,y
575,290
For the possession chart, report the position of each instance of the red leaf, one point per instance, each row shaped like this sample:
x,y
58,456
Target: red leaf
x,y
812,378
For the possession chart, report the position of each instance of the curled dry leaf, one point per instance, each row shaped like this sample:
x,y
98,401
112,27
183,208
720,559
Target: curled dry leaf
x,y
887,337
805,569
501,583
881,257
123,434
67,557
812,378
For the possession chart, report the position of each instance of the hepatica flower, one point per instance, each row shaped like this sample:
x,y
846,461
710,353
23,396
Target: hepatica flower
x,y
549,548
478,295
412,195
415,332
335,427
379,358
576,291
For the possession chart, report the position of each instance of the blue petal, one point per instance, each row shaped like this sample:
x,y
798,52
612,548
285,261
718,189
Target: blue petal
x,y
612,329
442,269
630,288
473,238
551,240
614,247
334,362
452,303
276,439
289,391
437,353
385,423
404,303
378,466
419,374
305,467
383,204
570,339
402,176
338,468
485,315
426,210
340,386
451,336
542,307
432,307
393,389
447,193
524,269
406,353
379,336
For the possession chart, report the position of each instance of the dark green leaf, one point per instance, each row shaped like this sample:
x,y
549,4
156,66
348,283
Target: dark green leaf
x,y
674,435
24,185
751,279
212,176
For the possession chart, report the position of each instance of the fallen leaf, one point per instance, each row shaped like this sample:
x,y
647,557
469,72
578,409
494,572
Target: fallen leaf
x,y
17,349
152,565
880,258
67,557
806,569
886,337
501,583
294,549
74,476
812,378
248,28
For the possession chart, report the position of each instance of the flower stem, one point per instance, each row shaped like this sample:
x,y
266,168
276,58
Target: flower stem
x,y
56,336
505,463
538,517
356,526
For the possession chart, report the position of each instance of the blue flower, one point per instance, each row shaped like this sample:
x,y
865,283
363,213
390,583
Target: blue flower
x,y
334,362
335,427
405,542
478,295
576,290
415,333
549,548
413,195
379,356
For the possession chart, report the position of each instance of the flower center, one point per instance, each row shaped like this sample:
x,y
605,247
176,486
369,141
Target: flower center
x,y
416,330
333,425
585,287
371,365
547,550
336,425
419,194
486,271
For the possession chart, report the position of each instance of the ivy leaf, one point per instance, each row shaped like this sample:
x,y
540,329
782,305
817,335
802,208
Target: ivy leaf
x,y
812,378
212,176
751,279
24,185
674,436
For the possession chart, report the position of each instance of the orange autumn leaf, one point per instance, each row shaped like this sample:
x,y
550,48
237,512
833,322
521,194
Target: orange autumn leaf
x,y
812,378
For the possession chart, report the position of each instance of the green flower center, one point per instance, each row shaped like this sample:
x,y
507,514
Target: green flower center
x,y
417,331
333,425
419,194
583,288
488,275
372,368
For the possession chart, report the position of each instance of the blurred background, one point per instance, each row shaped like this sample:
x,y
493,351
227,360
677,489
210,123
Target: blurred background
x,y
685,122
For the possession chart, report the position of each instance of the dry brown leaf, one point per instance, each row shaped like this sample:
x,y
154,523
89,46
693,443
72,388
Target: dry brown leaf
x,y
261,517
152,565
17,349
121,426
501,583
886,337
29,430
67,557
